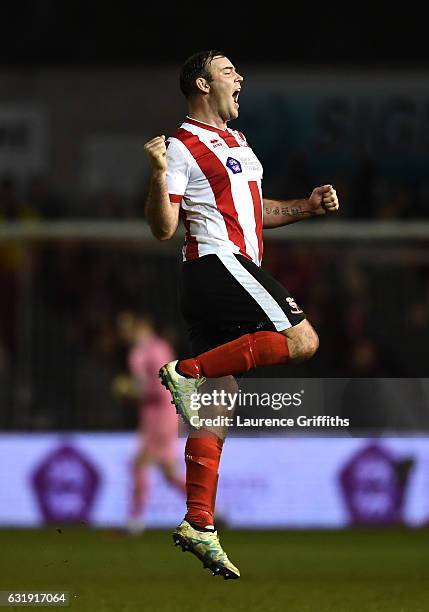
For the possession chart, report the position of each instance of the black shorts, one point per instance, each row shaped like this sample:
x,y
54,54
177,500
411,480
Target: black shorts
x,y
225,296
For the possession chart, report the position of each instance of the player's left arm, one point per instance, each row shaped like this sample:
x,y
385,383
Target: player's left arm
x,y
322,200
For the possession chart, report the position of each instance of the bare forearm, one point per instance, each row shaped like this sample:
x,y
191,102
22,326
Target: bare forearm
x,y
161,214
283,212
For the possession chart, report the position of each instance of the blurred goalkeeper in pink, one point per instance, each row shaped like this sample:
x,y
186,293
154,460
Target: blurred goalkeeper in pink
x,y
158,421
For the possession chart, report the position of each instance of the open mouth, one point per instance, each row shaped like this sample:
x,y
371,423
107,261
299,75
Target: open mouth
x,y
235,96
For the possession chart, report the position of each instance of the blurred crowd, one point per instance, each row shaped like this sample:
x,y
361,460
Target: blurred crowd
x,y
60,349
36,199
365,194
59,346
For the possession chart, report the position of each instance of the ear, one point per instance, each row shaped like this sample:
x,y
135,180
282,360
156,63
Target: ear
x,y
202,85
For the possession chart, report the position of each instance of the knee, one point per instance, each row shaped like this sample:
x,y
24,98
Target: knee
x,y
304,346
311,346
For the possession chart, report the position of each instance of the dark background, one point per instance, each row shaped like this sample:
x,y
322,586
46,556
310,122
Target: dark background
x,y
98,33
111,69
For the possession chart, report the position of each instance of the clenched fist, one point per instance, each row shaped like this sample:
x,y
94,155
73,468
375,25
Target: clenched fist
x,y
323,199
157,153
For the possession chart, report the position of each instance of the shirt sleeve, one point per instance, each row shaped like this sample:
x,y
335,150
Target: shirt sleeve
x,y
178,170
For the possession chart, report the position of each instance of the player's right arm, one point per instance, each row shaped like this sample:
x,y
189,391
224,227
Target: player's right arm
x,y
161,214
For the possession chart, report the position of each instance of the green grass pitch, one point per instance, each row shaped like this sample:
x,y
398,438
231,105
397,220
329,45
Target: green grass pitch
x,y
362,570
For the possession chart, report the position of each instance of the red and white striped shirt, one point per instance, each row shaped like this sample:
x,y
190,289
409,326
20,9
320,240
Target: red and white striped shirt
x,y
216,178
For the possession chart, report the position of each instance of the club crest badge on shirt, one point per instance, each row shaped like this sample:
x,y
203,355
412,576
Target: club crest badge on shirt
x,y
234,165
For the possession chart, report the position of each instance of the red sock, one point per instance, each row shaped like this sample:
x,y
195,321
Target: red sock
x,y
202,456
238,356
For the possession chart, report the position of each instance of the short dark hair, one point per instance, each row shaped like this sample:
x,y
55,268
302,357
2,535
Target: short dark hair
x,y
194,67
